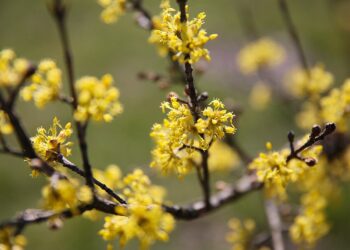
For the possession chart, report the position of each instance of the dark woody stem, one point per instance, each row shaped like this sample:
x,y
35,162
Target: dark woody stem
x,y
204,178
59,13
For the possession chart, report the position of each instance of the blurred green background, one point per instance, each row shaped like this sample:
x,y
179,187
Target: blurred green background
x,y
122,50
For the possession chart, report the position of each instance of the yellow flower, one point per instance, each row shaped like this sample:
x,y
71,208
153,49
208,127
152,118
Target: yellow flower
x,y
112,10
144,217
335,106
241,233
314,82
311,224
64,194
181,38
97,99
12,69
5,125
45,84
175,132
178,135
215,123
48,144
273,170
262,53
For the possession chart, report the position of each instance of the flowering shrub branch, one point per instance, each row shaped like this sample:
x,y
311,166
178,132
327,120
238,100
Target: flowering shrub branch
x,y
196,135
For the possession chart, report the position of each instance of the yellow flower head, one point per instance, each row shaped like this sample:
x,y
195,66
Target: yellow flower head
x,y
241,233
273,170
215,123
314,82
144,217
335,106
112,10
262,53
5,125
45,84
311,224
48,144
179,133
185,40
176,131
97,99
12,69
64,194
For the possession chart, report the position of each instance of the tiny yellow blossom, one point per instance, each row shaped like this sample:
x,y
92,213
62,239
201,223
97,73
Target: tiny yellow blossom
x,y
185,40
260,96
97,99
48,144
112,10
262,53
241,233
12,69
45,84
5,125
314,82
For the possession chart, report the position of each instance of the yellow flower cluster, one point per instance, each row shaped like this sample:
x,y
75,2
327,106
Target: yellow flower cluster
x,y
10,241
179,133
215,123
65,194
313,82
97,99
336,106
273,170
311,224
318,187
112,10
12,69
5,125
333,107
45,84
241,233
144,217
262,53
185,40
48,144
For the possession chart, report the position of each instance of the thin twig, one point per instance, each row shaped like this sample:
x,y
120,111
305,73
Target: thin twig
x,y
66,163
316,135
293,34
59,13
